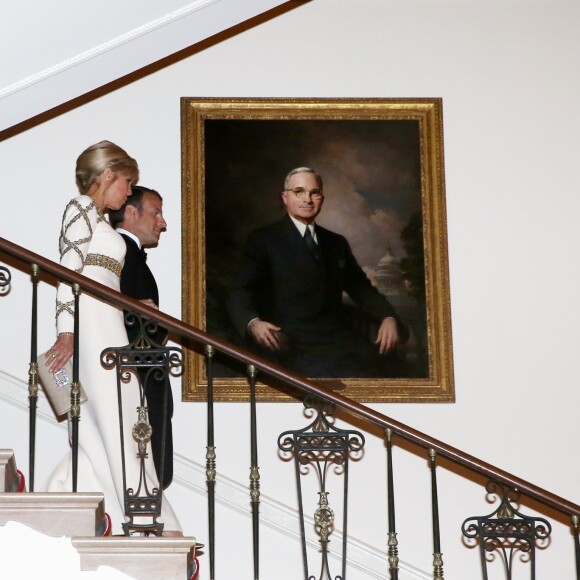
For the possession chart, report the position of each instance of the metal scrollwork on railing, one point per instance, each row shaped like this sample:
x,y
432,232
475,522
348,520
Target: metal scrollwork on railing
x,y
322,446
507,532
5,278
147,333
324,517
142,432
150,363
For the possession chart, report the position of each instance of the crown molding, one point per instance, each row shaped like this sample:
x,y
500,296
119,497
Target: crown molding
x,y
110,45
122,54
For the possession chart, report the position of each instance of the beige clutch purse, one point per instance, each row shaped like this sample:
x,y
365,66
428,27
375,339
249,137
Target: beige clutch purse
x,y
56,387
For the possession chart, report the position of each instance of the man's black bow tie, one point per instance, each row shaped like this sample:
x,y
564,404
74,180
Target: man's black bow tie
x,y
143,253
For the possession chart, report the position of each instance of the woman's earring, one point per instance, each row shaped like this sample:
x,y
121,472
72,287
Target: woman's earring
x,y
109,177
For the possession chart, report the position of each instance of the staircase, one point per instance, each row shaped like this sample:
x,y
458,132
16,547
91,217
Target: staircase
x,y
507,534
81,517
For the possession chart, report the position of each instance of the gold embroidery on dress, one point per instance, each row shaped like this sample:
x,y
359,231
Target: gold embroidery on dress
x,y
83,213
62,307
104,262
66,245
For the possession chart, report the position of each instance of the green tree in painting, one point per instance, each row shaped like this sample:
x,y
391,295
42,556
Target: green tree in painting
x,y
412,266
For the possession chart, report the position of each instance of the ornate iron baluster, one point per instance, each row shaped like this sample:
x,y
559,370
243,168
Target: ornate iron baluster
x,y
392,542
254,473
507,531
210,461
32,376
75,391
322,445
437,555
143,359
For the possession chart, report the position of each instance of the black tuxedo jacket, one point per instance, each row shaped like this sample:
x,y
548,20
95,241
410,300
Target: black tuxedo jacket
x,y
280,281
138,282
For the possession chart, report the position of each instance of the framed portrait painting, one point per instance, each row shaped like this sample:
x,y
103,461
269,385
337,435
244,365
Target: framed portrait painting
x,y
379,164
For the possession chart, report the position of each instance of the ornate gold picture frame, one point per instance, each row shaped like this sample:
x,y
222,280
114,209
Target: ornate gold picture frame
x,y
382,165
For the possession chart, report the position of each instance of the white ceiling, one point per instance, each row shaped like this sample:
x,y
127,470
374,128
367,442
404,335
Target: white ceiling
x,y
56,50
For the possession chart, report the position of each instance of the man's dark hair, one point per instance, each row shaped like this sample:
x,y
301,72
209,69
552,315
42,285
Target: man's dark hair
x,y
116,216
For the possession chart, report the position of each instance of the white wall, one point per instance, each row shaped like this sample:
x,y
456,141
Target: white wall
x,y
64,50
507,73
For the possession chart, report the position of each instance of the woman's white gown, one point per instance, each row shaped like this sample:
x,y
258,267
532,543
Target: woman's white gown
x,y
89,245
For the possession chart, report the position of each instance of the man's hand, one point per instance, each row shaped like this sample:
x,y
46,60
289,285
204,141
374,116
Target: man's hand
x,y
266,334
388,336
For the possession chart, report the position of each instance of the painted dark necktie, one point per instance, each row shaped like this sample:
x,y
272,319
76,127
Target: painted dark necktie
x,y
312,245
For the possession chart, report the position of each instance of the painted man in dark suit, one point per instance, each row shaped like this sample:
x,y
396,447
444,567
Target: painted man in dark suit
x,y
287,296
140,221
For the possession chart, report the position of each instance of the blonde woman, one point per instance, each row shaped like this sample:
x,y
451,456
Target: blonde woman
x,y
90,246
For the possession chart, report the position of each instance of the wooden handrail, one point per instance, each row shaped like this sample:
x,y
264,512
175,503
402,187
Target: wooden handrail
x,y
183,330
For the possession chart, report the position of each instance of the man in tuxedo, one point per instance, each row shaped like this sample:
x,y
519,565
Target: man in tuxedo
x,y
287,296
140,221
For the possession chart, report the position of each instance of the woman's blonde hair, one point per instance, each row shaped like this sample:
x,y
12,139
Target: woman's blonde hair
x,y
96,158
